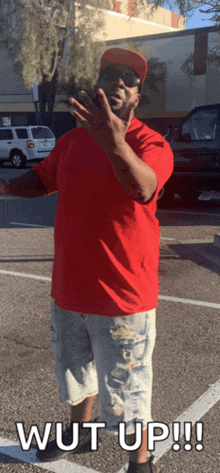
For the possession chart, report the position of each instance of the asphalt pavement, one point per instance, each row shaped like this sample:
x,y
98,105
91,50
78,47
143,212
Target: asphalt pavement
x,y
186,357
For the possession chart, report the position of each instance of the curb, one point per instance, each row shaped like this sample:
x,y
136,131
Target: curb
x,y
217,241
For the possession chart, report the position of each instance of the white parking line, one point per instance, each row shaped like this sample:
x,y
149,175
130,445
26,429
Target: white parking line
x,y
46,226
165,298
189,301
193,414
13,450
30,225
163,238
190,213
24,275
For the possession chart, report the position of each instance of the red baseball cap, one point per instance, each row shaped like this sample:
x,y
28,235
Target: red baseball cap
x,y
127,57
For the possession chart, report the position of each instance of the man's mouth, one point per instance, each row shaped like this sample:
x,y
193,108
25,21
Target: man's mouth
x,y
114,96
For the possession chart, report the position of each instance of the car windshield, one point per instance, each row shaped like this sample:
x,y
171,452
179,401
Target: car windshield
x,y
41,132
201,125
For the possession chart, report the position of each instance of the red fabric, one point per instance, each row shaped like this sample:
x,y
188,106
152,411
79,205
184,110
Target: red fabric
x,y
106,244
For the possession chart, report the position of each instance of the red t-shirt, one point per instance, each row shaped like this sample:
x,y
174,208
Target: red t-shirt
x,y
106,244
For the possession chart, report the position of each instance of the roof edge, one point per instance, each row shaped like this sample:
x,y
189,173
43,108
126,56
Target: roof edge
x,y
193,31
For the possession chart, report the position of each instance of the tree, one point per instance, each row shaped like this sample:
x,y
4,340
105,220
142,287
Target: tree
x,y
214,7
212,55
186,7
56,39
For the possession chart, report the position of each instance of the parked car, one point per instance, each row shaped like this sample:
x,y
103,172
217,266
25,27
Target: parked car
x,y
20,144
196,147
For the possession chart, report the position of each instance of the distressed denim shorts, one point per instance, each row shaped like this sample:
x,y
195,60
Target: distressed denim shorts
x,y
111,356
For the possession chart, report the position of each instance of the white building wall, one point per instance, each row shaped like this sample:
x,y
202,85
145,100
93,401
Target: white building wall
x,y
181,92
13,94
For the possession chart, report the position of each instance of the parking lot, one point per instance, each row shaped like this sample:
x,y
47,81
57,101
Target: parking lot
x,y
186,356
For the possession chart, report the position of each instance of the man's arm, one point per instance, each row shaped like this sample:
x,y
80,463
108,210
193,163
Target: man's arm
x,y
28,185
137,178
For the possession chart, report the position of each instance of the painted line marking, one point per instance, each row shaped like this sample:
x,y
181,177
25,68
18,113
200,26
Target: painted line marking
x,y
190,213
189,301
46,226
193,414
30,225
24,275
163,238
165,298
13,449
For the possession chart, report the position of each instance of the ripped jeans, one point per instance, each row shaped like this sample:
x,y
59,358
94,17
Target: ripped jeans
x,y
111,356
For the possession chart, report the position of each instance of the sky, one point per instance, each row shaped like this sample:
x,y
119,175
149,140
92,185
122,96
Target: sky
x,y
196,21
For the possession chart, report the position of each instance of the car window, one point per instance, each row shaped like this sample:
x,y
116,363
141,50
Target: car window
x,y
6,134
21,133
40,132
201,125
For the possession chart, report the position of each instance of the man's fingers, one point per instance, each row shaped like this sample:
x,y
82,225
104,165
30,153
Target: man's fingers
x,y
88,101
79,108
79,117
105,107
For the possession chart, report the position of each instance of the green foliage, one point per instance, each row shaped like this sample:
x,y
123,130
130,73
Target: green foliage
x,y
47,40
58,40
186,7
83,60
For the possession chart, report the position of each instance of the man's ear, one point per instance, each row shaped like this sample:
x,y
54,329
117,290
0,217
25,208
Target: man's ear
x,y
137,100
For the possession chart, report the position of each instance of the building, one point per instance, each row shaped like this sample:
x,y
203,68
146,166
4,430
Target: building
x,y
124,19
17,102
180,93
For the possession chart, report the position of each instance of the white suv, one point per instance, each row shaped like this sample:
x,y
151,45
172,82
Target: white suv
x,y
20,144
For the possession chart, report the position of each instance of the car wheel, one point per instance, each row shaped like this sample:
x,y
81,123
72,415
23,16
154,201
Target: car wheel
x,y
165,197
18,160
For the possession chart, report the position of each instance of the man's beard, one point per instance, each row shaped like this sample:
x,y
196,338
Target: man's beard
x,y
122,111
119,108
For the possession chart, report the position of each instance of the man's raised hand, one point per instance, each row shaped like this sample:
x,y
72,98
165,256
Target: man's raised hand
x,y
103,125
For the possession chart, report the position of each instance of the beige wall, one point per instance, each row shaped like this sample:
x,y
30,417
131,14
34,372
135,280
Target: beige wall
x,y
17,107
13,94
118,26
161,16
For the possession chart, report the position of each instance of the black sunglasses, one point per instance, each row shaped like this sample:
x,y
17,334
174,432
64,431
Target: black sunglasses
x,y
130,80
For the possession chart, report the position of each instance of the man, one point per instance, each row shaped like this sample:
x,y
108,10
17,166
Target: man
x,y
104,293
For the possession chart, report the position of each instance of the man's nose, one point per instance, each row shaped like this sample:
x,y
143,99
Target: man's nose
x,y
120,82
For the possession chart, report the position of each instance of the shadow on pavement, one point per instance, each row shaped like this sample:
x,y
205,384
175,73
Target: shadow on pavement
x,y
203,254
